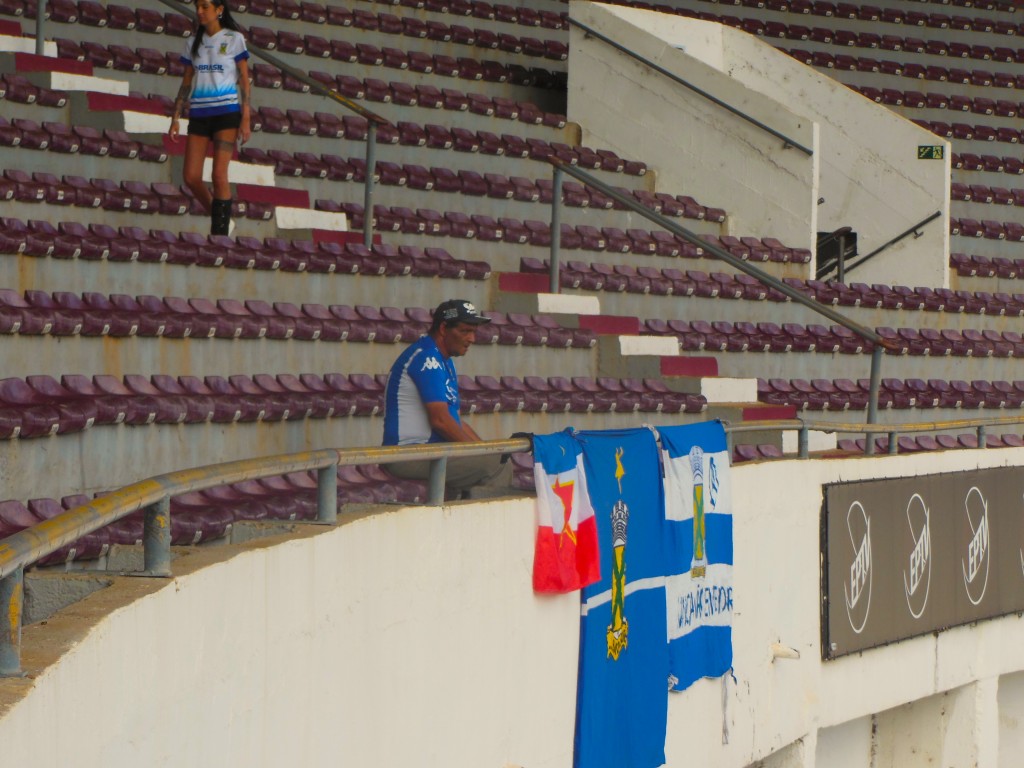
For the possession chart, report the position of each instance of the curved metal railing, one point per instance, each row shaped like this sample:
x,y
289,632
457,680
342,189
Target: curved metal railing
x,y
153,495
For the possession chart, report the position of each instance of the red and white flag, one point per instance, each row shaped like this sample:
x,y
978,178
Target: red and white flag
x,y
566,556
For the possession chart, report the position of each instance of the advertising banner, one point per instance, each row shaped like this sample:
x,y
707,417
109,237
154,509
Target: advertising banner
x,y
904,557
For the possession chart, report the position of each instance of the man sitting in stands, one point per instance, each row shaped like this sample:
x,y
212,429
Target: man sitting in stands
x,y
421,404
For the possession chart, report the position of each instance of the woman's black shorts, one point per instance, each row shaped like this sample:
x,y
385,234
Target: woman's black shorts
x,y
208,126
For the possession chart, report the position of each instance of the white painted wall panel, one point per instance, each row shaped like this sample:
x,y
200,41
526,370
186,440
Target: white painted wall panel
x,y
865,168
412,637
695,146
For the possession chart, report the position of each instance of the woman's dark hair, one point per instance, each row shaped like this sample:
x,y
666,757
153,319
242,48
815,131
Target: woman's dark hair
x,y
226,21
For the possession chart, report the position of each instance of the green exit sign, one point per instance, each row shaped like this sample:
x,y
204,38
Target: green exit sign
x,y
931,153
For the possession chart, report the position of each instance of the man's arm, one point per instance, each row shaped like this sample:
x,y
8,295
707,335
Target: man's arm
x,y
442,422
472,432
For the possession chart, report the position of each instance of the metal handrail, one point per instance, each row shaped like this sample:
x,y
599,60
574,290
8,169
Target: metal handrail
x,y
28,546
739,264
878,343
840,262
911,231
786,141
373,120
154,494
804,426
32,544
844,230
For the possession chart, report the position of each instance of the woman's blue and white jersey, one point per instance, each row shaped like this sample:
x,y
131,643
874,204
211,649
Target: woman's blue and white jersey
x,y
215,87
421,374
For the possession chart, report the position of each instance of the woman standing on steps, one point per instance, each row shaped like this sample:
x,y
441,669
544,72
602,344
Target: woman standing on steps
x,y
216,83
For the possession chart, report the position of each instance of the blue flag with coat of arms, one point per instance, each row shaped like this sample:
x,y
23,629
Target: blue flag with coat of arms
x,y
622,689
660,617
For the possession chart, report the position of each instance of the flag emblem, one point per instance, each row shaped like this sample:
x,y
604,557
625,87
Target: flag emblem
x,y
618,630
698,514
699,563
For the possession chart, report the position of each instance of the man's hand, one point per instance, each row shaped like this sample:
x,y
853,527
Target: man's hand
x,y
441,421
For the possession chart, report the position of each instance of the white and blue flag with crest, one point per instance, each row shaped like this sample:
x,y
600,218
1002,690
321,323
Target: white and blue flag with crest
x,y
698,515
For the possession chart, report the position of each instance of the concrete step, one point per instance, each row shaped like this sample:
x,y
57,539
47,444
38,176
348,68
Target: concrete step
x,y
12,42
301,223
568,308
79,275
92,355
740,413
24,476
64,75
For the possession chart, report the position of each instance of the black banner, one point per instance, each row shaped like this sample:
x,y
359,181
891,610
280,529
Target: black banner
x,y
909,556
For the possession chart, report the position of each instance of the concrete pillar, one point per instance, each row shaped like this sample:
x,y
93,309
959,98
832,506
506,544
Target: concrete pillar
x,y
956,728
799,754
1010,698
972,728
847,745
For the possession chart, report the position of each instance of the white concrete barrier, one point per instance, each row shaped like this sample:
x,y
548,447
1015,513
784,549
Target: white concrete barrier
x,y
12,44
412,638
67,81
308,218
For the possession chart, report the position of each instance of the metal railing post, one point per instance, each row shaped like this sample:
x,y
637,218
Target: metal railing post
x,y
876,380
803,443
156,538
12,602
556,227
435,481
894,444
841,268
327,494
40,21
371,162
982,436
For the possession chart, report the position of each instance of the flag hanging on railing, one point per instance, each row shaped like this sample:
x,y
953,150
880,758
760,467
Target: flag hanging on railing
x,y
659,616
698,511
566,555
622,700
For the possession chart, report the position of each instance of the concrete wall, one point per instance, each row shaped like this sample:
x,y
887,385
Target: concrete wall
x,y
696,147
870,176
411,637
865,164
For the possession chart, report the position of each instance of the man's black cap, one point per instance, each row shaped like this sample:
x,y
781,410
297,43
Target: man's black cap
x,y
458,311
